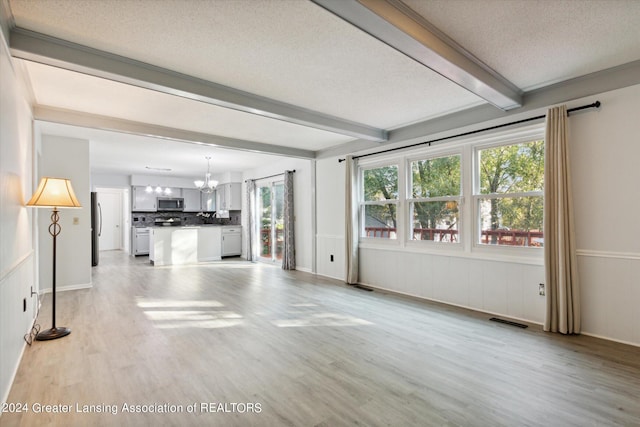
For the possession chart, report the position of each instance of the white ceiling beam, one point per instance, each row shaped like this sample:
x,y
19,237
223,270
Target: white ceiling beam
x,y
400,27
94,121
536,102
48,50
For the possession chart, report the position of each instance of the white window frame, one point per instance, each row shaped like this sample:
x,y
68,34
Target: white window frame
x,y
469,228
529,134
430,155
362,167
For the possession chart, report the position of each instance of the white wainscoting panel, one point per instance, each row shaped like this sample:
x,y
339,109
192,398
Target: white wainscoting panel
x,y
502,288
610,296
328,245
14,287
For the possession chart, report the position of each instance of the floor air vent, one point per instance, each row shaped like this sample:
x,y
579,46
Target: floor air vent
x,y
508,322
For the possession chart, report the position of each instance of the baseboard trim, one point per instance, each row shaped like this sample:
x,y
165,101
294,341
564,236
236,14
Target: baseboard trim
x,y
602,337
329,277
67,288
466,307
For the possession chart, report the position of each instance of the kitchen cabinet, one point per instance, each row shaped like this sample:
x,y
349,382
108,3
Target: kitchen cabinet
x,y
171,192
140,241
192,200
229,196
197,201
232,240
143,201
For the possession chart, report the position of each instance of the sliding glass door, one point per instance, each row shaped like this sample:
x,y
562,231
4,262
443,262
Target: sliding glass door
x,y
270,214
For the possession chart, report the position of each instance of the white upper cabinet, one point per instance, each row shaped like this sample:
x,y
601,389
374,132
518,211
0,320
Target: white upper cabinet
x,y
229,196
143,201
192,199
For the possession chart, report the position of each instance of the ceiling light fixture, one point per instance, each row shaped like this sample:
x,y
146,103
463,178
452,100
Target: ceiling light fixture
x,y
158,169
208,185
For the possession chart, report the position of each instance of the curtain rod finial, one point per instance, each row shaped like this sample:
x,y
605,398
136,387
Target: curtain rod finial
x,y
341,160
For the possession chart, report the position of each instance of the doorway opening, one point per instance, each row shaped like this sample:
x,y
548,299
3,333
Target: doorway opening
x,y
270,214
112,219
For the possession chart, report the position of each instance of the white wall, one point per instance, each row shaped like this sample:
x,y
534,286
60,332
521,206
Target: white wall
x,y
606,177
17,256
107,180
605,152
162,181
330,217
74,241
303,197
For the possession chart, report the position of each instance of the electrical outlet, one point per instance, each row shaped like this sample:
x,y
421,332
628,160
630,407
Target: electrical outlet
x,y
331,257
541,289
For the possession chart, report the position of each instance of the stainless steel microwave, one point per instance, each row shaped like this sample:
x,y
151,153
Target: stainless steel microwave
x,y
170,204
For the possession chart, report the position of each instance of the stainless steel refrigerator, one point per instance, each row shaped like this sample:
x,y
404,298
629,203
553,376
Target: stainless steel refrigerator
x,y
96,228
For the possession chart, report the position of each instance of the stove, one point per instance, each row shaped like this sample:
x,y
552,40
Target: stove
x,y
174,221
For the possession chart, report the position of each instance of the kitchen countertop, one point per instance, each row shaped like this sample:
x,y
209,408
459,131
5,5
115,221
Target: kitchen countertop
x,y
191,226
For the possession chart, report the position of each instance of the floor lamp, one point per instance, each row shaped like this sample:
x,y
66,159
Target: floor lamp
x,y
54,193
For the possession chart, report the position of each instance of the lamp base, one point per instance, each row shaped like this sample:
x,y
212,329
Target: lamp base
x,y
53,333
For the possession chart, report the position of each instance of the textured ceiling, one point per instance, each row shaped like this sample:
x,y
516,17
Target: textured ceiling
x,y
296,52
79,92
535,43
292,51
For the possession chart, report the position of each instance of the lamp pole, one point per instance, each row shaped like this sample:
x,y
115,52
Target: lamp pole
x,y
54,332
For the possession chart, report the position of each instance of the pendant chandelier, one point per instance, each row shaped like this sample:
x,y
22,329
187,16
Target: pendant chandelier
x,y
208,185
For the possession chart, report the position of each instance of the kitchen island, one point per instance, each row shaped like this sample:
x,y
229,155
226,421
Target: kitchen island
x,y
179,245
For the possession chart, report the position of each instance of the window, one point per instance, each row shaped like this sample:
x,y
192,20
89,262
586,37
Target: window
x,y
509,194
435,198
380,206
483,195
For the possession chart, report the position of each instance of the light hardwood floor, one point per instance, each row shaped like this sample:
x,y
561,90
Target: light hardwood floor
x,y
311,352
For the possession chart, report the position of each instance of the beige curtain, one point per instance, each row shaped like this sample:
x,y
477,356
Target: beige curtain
x,y
561,270
351,222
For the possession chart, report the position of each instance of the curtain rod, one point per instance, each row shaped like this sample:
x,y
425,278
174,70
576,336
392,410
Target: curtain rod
x,y
571,110
270,176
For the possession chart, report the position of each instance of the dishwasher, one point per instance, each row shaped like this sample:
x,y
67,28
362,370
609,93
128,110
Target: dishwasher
x,y
231,240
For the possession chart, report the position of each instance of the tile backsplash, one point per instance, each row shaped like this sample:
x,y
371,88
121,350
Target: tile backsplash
x,y
147,219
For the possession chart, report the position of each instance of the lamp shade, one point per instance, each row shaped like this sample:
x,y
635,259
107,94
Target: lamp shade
x,y
54,193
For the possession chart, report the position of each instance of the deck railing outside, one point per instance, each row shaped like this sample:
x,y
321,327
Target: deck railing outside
x,y
493,237
265,237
